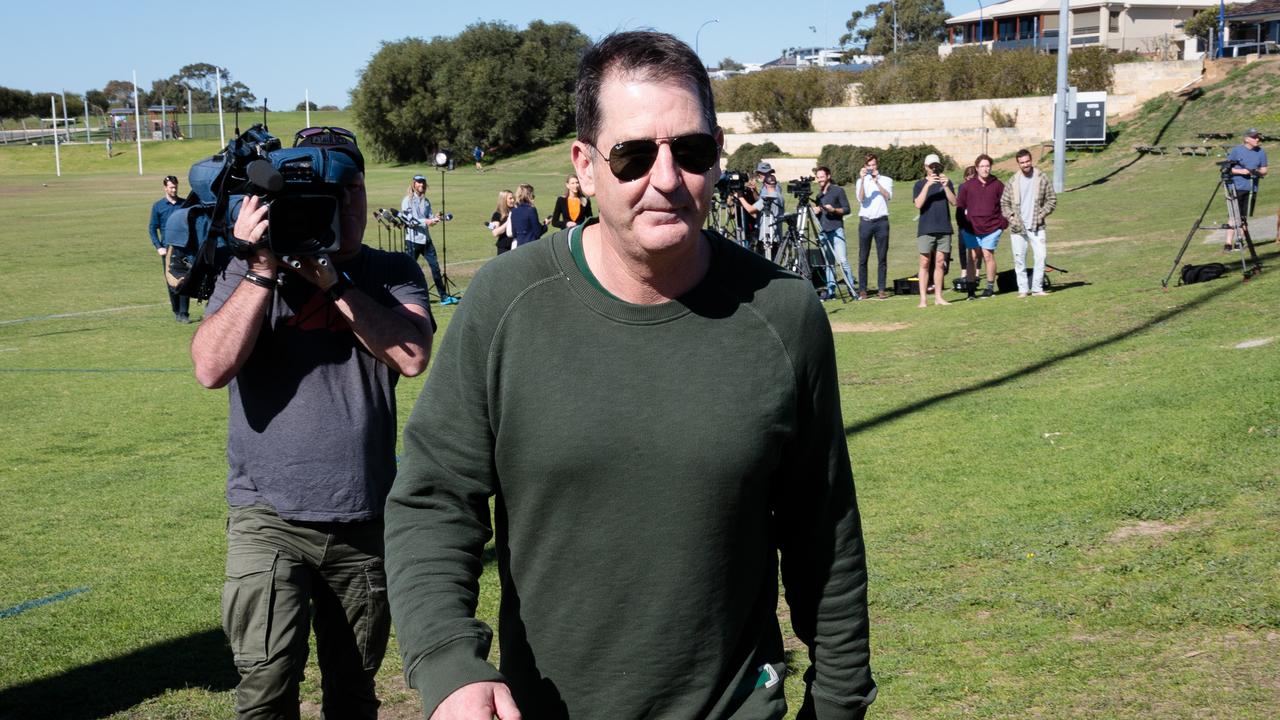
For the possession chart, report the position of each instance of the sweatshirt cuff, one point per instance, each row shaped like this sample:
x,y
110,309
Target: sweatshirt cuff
x,y
459,662
824,709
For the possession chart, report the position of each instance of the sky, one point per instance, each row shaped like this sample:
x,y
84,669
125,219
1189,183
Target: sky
x,y
283,50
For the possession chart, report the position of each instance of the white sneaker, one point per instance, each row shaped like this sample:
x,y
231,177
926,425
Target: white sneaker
x,y
1021,294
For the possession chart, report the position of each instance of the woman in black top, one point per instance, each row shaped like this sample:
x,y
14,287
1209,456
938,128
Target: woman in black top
x,y
500,222
573,208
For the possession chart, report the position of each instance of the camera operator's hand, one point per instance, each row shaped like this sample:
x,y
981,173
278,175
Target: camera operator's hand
x,y
251,225
942,179
863,172
160,250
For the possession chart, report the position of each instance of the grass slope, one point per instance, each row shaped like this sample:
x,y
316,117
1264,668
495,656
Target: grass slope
x,y
1070,503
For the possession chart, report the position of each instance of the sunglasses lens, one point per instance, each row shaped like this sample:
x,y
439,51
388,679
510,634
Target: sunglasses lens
x,y
695,153
630,160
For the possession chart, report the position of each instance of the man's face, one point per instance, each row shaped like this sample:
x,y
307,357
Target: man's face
x,y
873,166
822,177
352,217
1025,164
984,169
1251,142
664,209
171,190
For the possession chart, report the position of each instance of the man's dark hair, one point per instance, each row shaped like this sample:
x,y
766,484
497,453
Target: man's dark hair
x,y
870,157
644,55
978,160
824,169
1022,153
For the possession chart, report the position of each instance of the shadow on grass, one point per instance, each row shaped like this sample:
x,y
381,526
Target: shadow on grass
x,y
1194,95
110,686
896,413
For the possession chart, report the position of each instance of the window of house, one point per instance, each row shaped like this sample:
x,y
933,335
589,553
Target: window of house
x,y
1114,24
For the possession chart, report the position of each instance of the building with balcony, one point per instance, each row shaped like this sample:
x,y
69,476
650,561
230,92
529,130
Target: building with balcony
x,y
1151,27
1252,29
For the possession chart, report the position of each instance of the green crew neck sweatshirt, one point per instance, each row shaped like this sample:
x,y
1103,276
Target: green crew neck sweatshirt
x,y
653,465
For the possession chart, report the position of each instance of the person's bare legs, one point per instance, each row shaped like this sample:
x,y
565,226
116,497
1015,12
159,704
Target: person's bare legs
x,y
939,265
922,278
989,262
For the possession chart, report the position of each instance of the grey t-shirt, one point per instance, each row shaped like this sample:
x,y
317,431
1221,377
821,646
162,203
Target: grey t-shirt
x,y
311,429
1027,187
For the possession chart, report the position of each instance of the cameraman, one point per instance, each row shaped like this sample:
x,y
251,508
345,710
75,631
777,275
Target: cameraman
x,y
311,356
832,204
1250,166
769,206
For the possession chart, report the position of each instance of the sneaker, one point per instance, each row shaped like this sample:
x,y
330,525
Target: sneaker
x,y
449,300
184,319
989,292
862,294
1021,294
882,295
1039,293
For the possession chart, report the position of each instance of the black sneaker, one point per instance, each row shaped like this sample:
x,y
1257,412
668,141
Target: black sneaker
x,y
184,319
988,292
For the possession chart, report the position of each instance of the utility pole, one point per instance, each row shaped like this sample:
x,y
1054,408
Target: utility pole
x,y
1060,114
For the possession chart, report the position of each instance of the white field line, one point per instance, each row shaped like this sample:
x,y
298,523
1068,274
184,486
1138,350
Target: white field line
x,y
59,316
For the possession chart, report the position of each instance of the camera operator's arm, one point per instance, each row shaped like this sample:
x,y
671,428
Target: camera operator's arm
x,y
400,337
747,205
225,338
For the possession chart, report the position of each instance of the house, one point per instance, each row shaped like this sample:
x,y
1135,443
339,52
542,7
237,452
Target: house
x,y
1252,28
1146,26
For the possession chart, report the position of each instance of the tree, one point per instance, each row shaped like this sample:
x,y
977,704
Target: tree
x,y
98,101
1204,24
730,64
492,85
119,93
306,105
919,22
236,96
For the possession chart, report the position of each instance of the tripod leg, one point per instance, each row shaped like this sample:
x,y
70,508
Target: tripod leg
x,y
1195,227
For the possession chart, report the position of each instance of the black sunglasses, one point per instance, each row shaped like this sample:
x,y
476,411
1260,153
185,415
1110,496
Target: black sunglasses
x,y
631,159
324,136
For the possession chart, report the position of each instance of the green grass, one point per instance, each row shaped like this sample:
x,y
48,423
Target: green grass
x,y
1070,503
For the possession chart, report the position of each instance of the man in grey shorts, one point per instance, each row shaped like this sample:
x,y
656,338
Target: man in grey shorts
x,y
934,196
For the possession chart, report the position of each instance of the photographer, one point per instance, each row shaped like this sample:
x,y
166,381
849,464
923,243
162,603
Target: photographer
x,y
831,205
934,196
769,206
416,209
874,192
310,355
1250,166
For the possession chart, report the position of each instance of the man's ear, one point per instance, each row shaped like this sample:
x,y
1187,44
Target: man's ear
x,y
584,166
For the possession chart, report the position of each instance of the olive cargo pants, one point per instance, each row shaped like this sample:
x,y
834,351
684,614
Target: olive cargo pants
x,y
283,576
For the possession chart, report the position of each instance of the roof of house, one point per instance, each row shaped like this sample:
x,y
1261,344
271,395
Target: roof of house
x,y
1030,7
1257,7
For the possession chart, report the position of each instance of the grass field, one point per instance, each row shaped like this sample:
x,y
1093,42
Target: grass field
x,y
1071,504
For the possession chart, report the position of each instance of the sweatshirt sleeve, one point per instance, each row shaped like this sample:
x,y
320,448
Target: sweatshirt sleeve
x,y
437,517
823,561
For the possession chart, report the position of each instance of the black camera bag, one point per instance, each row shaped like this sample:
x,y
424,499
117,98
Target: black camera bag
x,y
1200,273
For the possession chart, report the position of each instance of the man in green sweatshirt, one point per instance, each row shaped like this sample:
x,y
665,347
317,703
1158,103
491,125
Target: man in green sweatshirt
x,y
647,485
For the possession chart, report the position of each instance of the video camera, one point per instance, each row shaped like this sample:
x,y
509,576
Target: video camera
x,y
801,188
731,182
1226,166
302,187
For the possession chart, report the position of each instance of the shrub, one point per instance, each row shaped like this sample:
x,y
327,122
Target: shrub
x,y
1002,119
782,100
902,162
746,157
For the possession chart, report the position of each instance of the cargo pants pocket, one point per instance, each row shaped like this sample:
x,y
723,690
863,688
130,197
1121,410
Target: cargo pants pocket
x,y
246,603
373,626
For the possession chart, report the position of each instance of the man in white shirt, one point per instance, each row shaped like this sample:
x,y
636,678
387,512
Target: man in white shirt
x,y
874,193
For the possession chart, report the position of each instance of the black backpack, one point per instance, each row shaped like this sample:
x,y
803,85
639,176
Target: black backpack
x,y
1200,273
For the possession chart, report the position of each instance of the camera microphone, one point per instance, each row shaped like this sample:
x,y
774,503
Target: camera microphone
x,y
265,177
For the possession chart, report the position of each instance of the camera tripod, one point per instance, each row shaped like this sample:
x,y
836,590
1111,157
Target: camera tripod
x,y
729,219
1249,266
799,249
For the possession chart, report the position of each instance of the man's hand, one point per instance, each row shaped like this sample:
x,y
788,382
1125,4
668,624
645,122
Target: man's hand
x,y
251,225
478,701
942,180
160,250
862,173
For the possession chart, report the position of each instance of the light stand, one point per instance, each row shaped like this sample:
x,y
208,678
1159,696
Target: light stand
x,y
444,162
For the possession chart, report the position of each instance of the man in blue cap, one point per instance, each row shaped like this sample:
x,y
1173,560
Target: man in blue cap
x,y
1250,167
